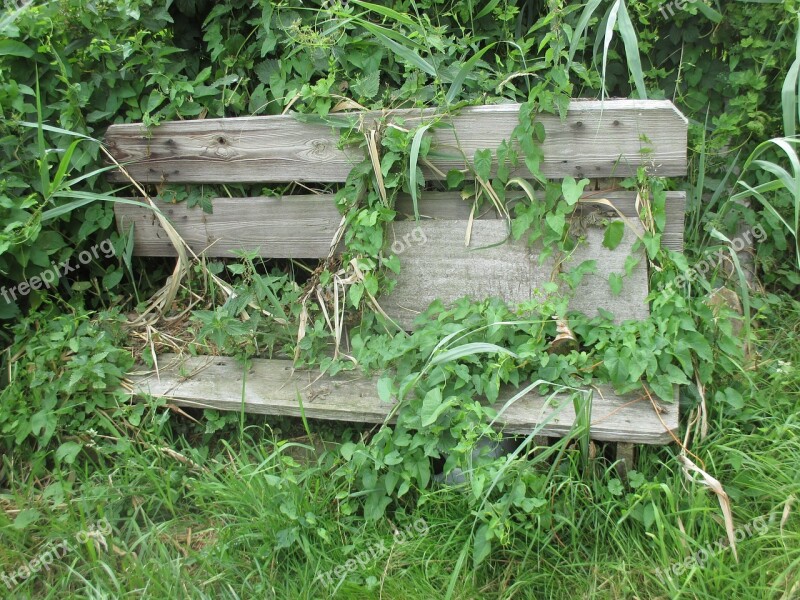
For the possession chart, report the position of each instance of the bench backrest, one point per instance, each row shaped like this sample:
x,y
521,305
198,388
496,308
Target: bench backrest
x,y
597,140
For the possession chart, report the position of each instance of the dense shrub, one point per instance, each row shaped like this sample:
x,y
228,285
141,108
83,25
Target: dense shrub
x,y
90,64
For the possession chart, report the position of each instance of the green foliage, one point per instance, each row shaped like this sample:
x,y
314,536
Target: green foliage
x,y
275,522
65,370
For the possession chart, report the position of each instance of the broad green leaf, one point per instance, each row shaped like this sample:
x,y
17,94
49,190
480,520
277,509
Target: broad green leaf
x,y
482,546
652,242
483,163
347,449
615,487
25,517
68,451
731,397
556,222
573,190
433,407
615,282
112,278
393,458
613,234
15,48
454,178
385,388
368,85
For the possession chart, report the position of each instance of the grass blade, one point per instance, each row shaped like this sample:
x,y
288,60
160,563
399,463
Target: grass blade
x,y
580,28
609,34
388,12
486,9
413,160
455,87
628,34
408,54
713,15
84,198
53,129
470,350
63,165
789,91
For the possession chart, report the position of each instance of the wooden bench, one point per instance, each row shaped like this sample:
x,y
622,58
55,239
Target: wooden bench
x,y
597,140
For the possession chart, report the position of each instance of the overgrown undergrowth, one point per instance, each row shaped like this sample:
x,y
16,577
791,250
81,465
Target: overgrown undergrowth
x,y
260,516
100,497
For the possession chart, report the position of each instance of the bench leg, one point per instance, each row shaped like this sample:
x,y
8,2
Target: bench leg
x,y
625,458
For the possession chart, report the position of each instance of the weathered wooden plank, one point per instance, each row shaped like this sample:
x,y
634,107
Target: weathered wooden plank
x,y
597,139
289,227
450,206
435,264
272,387
594,291
303,226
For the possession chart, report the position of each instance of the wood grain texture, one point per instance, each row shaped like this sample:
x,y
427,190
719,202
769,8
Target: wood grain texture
x,y
271,387
594,291
303,226
289,227
435,264
450,206
597,139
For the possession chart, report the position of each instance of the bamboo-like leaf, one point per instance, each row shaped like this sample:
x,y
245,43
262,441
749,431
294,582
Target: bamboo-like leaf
x,y
487,9
413,160
455,87
388,12
628,34
580,28
715,486
404,52
53,129
525,186
84,198
713,15
79,178
743,285
609,34
63,165
470,350
44,166
785,180
790,91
